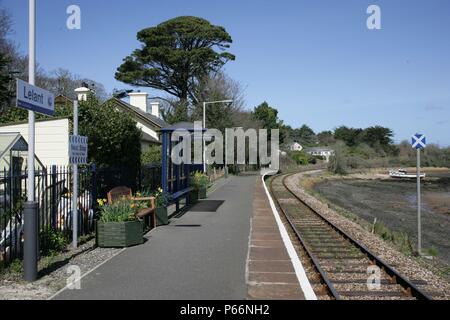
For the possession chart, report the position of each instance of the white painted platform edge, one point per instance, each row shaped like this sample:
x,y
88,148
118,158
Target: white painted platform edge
x,y
305,285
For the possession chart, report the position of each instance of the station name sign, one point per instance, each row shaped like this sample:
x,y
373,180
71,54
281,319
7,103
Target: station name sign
x,y
34,98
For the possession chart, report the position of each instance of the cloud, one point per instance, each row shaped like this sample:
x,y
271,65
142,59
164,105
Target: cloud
x,y
443,122
433,107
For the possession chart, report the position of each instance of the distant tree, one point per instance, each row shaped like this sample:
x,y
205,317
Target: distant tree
x,y
337,164
216,88
377,136
307,136
349,135
5,82
176,55
267,115
326,138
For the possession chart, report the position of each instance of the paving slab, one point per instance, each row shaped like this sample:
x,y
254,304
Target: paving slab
x,y
270,273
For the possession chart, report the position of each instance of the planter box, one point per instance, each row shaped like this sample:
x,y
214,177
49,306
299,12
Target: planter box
x,y
202,193
162,218
119,234
193,197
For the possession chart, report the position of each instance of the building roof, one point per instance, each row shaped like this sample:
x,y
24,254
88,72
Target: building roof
x,y
318,149
37,120
144,115
148,138
189,126
12,141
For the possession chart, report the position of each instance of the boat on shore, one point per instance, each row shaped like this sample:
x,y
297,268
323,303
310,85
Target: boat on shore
x,y
403,174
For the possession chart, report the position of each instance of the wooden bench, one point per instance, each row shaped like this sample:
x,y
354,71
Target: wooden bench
x,y
119,193
175,197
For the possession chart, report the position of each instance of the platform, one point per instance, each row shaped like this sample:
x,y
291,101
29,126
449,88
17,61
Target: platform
x,y
227,247
270,271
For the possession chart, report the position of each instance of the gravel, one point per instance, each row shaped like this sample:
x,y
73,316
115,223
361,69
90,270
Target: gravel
x,y
55,274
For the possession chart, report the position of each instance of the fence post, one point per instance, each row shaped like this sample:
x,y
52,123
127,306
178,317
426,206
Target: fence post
x,y
54,200
94,188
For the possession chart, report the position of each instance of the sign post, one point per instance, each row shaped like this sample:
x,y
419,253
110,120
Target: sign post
x,y
33,99
419,142
78,152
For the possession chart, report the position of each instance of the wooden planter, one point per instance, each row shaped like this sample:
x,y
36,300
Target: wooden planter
x,y
162,218
202,193
193,197
119,234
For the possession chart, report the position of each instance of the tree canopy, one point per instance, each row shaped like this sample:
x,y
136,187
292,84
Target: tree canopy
x,y
176,55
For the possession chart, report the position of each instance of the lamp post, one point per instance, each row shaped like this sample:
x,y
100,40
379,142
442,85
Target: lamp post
x,y
226,150
204,127
82,94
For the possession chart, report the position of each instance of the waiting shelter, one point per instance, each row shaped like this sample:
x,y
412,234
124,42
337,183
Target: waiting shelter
x,y
175,177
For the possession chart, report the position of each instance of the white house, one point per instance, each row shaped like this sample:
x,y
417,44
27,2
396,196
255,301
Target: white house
x,y
296,147
147,115
320,152
52,139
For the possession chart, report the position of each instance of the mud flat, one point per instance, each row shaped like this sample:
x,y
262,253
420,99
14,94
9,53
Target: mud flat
x,y
393,202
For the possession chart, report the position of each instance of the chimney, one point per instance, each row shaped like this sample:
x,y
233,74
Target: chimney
x,y
139,100
156,109
82,93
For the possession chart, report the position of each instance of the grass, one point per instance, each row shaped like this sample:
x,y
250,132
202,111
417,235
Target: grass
x,y
433,252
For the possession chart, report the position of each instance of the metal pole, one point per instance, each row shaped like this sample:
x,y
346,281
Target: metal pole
x,y
203,135
75,183
31,244
31,80
419,207
226,154
31,208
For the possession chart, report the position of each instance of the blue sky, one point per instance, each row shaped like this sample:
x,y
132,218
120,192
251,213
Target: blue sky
x,y
315,61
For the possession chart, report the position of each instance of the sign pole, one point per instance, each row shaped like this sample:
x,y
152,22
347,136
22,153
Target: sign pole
x,y
31,208
75,182
203,135
419,207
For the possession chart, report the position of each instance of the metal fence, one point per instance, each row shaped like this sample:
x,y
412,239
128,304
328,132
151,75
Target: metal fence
x,y
54,195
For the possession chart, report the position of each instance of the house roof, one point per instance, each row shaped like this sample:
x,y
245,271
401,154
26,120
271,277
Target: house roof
x,y
148,138
143,115
12,141
318,149
189,126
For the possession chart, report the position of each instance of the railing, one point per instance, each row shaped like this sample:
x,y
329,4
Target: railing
x,y
54,195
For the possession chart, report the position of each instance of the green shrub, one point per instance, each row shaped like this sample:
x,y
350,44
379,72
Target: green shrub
x,y
16,267
51,242
152,156
301,158
199,180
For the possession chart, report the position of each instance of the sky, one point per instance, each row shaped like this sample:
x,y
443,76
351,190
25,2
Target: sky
x,y
315,61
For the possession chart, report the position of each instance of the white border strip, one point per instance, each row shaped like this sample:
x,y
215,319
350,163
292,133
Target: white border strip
x,y
305,285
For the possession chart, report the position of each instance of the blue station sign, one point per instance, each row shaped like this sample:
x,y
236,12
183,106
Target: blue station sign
x,y
34,98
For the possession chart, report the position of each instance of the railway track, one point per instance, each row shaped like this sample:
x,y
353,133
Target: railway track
x,y
339,266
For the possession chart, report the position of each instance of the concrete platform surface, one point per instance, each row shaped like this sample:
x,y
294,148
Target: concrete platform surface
x,y
201,255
